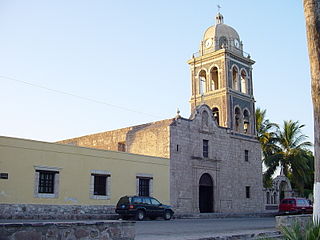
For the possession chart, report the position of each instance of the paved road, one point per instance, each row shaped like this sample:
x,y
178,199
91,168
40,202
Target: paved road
x,y
195,228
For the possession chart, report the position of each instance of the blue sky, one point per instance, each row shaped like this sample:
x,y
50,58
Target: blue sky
x,y
133,54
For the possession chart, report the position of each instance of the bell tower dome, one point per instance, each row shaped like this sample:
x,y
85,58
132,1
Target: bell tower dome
x,y
221,76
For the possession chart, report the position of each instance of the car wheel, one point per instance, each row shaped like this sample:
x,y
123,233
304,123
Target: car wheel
x,y
167,215
140,215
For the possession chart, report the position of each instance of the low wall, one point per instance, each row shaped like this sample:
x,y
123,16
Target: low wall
x,y
42,211
290,220
106,230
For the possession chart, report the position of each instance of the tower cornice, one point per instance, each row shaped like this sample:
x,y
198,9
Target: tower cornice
x,y
198,58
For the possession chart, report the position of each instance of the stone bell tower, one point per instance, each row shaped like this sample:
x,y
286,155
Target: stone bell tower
x,y
221,76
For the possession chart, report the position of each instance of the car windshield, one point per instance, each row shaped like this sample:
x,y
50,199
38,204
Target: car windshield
x,y
146,200
154,201
302,203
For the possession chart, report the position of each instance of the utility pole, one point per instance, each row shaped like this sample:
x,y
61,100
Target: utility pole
x,y
312,16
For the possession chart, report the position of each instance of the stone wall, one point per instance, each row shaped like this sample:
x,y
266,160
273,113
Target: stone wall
x,y
42,211
105,140
106,230
290,220
150,139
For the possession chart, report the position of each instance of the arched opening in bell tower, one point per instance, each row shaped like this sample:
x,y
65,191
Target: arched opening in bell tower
x,y
243,81
237,119
246,122
235,78
202,82
214,79
215,112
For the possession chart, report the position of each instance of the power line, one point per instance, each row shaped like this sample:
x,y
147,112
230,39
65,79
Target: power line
x,y
77,96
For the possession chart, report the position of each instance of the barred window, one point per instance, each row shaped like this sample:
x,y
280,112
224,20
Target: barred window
x,y
205,148
246,155
100,185
46,181
144,187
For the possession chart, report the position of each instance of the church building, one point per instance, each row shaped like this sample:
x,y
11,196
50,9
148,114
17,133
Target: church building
x,y
214,155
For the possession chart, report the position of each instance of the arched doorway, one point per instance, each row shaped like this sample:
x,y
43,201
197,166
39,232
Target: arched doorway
x,y
205,193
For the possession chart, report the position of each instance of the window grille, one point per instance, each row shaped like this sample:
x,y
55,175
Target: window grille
x,y
246,155
46,181
100,185
144,187
205,148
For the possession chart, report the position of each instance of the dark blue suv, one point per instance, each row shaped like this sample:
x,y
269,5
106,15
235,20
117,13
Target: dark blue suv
x,y
141,207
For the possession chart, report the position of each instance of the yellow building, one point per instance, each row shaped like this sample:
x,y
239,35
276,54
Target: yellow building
x,y
37,173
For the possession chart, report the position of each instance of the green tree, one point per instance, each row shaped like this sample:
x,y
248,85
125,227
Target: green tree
x,y
305,185
266,133
291,154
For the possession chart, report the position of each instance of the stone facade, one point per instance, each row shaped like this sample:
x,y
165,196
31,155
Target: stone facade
x,y
225,164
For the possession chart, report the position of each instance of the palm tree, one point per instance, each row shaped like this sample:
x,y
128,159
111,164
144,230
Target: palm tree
x,y
305,182
291,154
265,133
267,137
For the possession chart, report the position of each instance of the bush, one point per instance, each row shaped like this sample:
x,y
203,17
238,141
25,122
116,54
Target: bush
x,y
296,232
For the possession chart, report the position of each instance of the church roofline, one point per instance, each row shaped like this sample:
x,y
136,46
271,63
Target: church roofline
x,y
169,120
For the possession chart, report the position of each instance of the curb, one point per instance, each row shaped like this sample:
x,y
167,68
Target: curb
x,y
256,235
221,215
116,216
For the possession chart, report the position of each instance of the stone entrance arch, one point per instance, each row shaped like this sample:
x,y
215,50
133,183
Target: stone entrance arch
x,y
205,193
281,188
